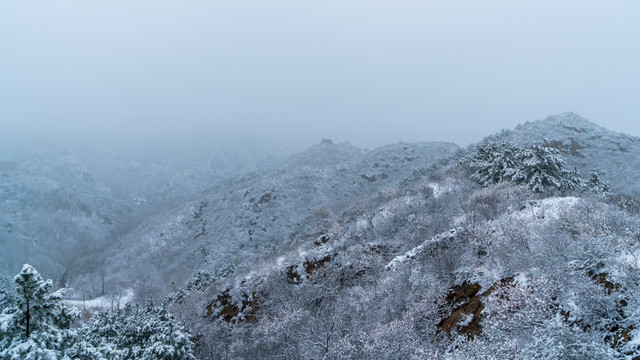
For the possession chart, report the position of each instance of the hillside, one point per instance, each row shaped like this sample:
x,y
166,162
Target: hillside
x,y
395,252
243,219
431,265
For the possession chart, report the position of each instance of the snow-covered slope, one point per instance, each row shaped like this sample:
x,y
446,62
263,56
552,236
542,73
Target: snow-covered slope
x,y
405,261
395,268
252,217
110,302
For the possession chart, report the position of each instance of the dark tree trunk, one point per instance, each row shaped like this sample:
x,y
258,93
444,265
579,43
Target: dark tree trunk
x,y
27,315
102,276
63,279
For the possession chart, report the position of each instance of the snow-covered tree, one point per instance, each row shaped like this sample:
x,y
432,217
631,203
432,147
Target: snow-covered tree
x,y
540,168
495,162
148,333
36,324
597,185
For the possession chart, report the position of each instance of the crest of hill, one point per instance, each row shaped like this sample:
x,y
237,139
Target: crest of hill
x,y
585,145
329,155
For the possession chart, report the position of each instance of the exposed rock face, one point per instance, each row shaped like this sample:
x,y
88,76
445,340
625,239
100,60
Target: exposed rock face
x,y
311,266
233,311
466,299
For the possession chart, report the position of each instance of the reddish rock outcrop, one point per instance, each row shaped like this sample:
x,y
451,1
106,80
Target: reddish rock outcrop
x,y
466,301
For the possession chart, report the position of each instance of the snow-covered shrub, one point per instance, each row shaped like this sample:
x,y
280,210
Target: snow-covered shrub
x,y
493,200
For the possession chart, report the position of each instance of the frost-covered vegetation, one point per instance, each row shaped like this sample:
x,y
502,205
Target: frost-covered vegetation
x,y
540,168
35,324
524,246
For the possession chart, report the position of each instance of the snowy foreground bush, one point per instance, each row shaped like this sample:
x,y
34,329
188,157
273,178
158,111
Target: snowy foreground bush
x,y
35,324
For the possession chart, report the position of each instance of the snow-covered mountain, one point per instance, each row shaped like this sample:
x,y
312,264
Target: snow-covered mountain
x,y
340,252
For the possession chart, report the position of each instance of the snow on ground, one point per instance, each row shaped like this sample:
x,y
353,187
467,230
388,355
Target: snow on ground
x,y
521,279
411,254
362,224
546,209
630,259
437,189
102,303
440,189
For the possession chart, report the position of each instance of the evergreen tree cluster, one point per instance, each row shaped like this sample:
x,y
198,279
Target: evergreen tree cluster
x,y
540,168
35,324
148,333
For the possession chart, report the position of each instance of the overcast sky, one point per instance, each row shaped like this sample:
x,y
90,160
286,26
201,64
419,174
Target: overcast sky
x,y
292,72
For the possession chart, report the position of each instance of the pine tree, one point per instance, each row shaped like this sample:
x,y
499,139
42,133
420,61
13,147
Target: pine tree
x,y
495,162
99,338
36,324
146,333
540,168
598,186
574,180
543,169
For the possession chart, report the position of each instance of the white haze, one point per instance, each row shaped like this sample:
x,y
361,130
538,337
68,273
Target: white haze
x,y
131,74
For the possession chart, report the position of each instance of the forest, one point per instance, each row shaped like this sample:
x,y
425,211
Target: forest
x,y
524,245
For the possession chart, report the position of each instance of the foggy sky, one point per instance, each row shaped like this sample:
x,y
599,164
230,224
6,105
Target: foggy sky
x,y
369,72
